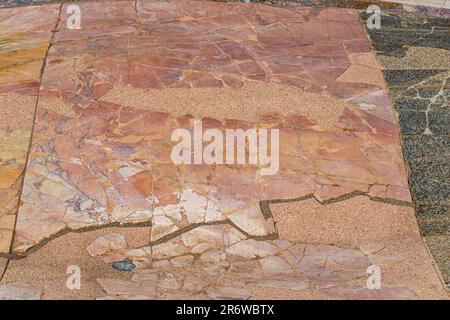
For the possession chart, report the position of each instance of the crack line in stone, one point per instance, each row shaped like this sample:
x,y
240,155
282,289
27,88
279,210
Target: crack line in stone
x,y
44,63
264,206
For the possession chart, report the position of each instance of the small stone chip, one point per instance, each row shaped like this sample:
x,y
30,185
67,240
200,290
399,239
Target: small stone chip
x,y
124,266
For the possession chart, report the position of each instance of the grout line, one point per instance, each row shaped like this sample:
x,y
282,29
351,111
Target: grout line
x,y
67,230
44,63
4,270
265,211
433,261
168,237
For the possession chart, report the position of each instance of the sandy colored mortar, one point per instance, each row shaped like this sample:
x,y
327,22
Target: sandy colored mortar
x,y
3,263
263,293
417,270
345,223
47,267
56,105
247,103
16,111
361,221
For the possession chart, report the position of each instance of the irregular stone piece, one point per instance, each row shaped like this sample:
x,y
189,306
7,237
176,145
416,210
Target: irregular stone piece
x,y
284,282
124,266
19,292
251,221
146,275
182,261
213,256
168,250
162,226
214,270
274,265
169,280
246,267
118,287
135,253
252,248
106,243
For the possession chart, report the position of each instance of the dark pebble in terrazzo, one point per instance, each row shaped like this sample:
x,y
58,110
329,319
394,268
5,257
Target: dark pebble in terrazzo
x,y
124,266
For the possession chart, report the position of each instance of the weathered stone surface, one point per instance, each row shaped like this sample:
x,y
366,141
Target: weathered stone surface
x,y
274,265
19,292
213,256
23,49
114,286
252,248
175,269
101,150
284,282
193,283
183,261
120,169
106,243
168,250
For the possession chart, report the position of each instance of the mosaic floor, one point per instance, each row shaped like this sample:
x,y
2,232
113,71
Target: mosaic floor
x,y
88,180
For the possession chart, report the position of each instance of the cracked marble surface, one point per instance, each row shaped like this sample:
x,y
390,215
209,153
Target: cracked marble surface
x,y
112,93
95,162
220,262
276,264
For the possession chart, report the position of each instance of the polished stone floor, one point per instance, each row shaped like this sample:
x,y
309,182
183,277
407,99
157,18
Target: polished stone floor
x,y
87,178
